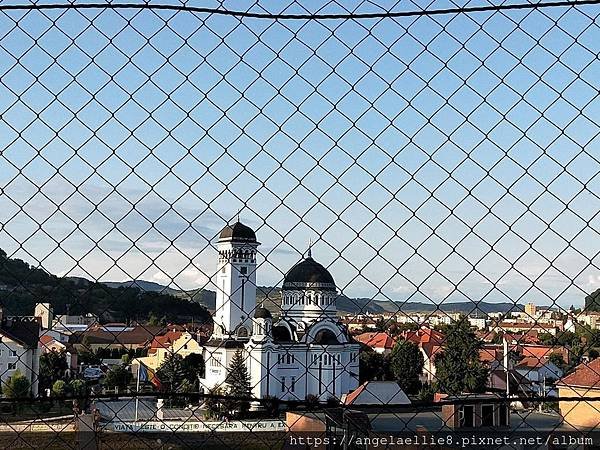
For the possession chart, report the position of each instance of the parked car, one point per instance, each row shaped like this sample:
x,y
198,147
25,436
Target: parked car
x,y
93,373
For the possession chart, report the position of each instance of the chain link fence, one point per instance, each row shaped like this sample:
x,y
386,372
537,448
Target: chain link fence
x,y
299,224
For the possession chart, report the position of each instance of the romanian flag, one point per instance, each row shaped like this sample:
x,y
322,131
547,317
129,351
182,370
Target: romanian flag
x,y
147,374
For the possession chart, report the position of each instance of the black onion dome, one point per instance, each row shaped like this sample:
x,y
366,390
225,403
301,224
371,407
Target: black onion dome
x,y
262,313
307,273
238,232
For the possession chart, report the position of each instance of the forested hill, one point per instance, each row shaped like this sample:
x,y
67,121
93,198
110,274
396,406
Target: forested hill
x,y
22,286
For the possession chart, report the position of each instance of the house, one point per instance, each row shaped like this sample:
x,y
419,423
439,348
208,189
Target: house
x,y
541,372
115,336
529,367
180,342
19,349
430,343
584,383
475,412
379,341
377,393
524,327
49,343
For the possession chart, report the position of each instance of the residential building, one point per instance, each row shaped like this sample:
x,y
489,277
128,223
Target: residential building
x,y
584,383
379,341
430,343
44,312
530,309
50,344
116,336
19,349
181,342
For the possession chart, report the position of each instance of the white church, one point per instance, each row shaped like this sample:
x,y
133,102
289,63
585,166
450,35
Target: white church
x,y
306,351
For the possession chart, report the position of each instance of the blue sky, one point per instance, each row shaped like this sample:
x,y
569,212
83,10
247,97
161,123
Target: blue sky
x,y
438,158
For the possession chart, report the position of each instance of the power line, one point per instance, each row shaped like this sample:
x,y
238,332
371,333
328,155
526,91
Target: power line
x,y
252,15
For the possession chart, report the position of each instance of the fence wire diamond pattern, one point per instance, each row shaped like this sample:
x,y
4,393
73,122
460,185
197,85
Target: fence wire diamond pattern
x,y
233,224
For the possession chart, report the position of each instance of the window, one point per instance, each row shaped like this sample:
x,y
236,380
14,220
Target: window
x,y
13,353
293,384
503,415
282,384
215,360
12,366
466,416
243,270
487,415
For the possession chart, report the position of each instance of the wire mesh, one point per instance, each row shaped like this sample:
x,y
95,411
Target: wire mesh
x,y
298,224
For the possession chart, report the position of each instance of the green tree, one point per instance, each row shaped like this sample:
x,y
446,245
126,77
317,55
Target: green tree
x,y
193,367
558,360
53,366
78,387
426,393
458,368
592,301
271,405
238,385
214,406
118,376
593,354
16,386
381,324
60,388
372,365
171,372
406,364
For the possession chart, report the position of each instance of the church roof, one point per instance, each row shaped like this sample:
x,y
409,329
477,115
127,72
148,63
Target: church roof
x,y
262,313
225,343
281,334
308,271
326,337
238,232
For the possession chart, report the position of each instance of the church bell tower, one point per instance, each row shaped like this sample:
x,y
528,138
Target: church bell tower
x,y
236,281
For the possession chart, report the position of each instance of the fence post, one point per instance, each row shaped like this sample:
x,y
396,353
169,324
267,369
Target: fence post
x,y
86,432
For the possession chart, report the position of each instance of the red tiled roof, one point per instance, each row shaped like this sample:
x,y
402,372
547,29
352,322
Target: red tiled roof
x,y
544,351
165,340
489,354
586,374
424,336
377,340
354,394
46,339
532,362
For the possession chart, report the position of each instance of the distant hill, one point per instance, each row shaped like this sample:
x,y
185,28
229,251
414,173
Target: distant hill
x,y
270,298
147,286
204,297
22,286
